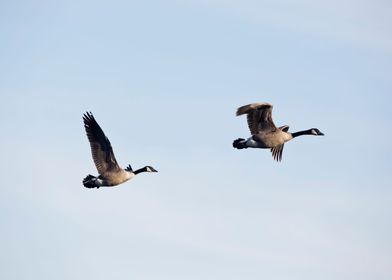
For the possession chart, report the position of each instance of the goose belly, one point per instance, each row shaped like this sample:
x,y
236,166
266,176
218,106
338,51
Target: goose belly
x,y
114,179
270,140
252,143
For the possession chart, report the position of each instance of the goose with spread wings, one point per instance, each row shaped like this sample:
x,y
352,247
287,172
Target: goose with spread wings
x,y
265,134
110,173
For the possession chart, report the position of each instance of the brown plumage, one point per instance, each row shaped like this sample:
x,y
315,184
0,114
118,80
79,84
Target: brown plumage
x,y
110,173
259,116
101,149
264,132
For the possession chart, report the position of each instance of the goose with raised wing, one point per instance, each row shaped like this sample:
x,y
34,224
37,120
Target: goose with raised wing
x,y
265,134
110,173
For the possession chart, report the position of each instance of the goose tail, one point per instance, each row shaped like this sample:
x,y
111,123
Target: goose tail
x,y
90,182
239,143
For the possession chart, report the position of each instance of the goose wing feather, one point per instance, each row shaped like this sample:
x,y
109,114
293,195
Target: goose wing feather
x,y
101,149
277,152
259,116
284,128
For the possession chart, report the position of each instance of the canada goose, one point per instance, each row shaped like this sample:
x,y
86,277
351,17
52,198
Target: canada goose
x,y
265,134
110,173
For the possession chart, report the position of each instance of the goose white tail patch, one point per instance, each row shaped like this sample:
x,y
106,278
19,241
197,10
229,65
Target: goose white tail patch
x,y
251,143
98,182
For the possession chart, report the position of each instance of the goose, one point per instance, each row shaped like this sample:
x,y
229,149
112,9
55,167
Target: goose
x,y
110,173
265,134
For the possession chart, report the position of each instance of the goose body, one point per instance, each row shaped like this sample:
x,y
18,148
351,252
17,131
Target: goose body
x,y
110,173
265,134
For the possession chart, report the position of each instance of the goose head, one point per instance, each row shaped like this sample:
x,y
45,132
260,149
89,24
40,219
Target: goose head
x,y
316,132
150,169
145,169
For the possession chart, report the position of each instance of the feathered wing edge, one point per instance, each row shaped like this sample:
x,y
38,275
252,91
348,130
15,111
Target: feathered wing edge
x,y
129,168
250,107
101,149
277,152
259,116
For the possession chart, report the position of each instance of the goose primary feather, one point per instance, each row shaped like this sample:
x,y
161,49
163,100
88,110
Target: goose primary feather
x,y
264,133
110,173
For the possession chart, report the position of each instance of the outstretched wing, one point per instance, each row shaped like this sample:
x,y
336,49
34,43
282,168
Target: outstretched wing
x,y
101,149
259,116
277,152
284,128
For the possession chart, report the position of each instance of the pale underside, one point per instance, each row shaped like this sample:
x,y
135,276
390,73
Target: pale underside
x,y
264,132
102,152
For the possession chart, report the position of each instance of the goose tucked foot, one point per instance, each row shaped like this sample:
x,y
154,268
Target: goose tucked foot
x,y
240,143
91,182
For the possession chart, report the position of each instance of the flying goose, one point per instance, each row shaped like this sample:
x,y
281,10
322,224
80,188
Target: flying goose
x,y
110,173
265,134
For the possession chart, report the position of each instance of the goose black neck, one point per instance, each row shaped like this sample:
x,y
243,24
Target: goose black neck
x,y
144,169
302,132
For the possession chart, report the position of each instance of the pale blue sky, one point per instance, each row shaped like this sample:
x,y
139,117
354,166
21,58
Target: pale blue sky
x,y
164,78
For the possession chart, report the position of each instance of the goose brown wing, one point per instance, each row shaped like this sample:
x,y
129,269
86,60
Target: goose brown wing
x,y
277,152
101,149
259,116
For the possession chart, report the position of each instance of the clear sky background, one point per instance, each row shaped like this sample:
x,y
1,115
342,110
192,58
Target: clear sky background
x,y
163,79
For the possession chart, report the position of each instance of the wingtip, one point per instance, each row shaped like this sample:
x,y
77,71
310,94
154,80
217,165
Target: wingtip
x,y
88,116
249,107
243,110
